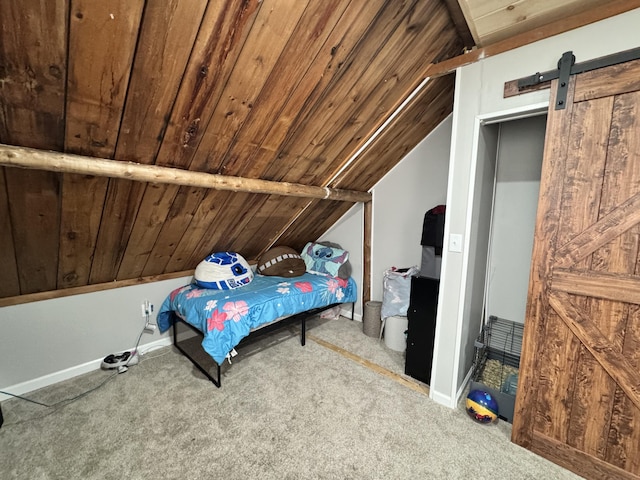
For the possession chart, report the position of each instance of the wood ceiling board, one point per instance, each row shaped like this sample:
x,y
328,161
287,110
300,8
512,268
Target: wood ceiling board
x,y
332,109
81,210
460,22
384,100
325,70
177,224
216,236
167,26
250,73
302,28
97,86
425,112
32,75
102,42
155,80
220,39
151,216
317,24
386,76
203,219
274,216
35,219
313,222
495,20
10,284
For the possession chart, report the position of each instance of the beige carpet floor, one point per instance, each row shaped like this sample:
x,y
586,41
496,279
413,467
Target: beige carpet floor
x,y
283,412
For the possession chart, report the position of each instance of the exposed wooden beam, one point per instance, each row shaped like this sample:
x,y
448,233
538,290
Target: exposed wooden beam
x,y
97,287
366,254
21,157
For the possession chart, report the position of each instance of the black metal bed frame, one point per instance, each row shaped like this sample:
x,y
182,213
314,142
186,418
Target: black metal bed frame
x,y
217,379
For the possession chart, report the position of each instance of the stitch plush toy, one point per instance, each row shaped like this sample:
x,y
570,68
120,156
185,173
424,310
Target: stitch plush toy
x,y
326,258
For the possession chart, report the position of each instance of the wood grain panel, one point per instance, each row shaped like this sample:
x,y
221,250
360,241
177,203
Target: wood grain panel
x,y
577,460
426,111
155,80
98,77
624,436
617,221
326,70
97,86
622,181
317,24
10,284
151,216
32,72
336,112
32,78
604,351
497,19
167,33
581,198
35,218
224,30
609,286
588,86
232,216
585,398
252,68
313,222
82,198
204,218
391,72
540,323
273,217
248,78
220,40
176,225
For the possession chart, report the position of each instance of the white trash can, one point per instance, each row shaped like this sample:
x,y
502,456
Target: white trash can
x,y
394,333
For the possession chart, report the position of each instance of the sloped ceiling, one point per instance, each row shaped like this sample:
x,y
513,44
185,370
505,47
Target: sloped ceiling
x,y
280,90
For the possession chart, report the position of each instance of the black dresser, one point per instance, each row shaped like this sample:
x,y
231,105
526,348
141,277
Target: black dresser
x,y
423,305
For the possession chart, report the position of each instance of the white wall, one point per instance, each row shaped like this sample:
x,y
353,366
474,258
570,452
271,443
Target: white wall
x,y
479,97
51,340
400,200
519,164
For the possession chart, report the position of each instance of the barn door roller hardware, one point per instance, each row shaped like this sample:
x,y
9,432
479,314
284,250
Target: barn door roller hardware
x,y
568,67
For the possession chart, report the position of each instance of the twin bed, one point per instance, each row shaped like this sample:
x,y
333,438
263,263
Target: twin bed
x,y
221,319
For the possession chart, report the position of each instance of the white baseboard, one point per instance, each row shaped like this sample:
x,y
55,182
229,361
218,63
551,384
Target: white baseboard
x,y
346,313
66,374
441,398
446,400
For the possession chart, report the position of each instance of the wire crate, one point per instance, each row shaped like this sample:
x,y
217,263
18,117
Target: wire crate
x,y
497,361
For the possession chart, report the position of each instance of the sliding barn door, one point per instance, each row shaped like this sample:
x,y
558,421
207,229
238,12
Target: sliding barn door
x,y
578,401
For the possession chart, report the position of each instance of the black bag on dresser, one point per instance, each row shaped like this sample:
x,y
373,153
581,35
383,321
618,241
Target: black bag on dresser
x,y
432,242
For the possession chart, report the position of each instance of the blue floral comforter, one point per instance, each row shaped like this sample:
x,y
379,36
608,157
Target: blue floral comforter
x,y
227,316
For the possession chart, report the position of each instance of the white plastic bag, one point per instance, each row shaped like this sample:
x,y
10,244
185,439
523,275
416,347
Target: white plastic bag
x,y
396,289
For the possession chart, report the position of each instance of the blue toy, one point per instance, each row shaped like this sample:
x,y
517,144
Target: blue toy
x,y
482,407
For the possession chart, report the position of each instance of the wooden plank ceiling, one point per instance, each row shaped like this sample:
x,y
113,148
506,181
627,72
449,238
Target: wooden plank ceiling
x,y
279,90
493,20
283,90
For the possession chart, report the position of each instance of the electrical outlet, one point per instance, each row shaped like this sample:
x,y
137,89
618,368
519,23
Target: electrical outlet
x,y
145,308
